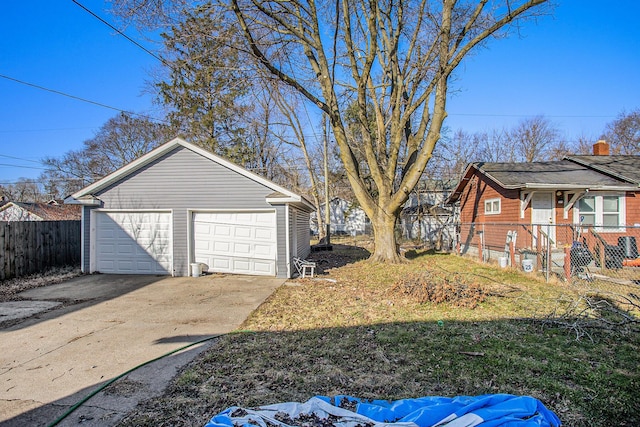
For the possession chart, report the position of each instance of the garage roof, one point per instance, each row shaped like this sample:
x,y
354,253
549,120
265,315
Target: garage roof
x,y
282,195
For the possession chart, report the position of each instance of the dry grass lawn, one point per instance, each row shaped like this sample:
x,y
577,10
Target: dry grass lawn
x,y
437,325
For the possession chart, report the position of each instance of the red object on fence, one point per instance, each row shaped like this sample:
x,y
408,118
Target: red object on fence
x,y
512,253
631,262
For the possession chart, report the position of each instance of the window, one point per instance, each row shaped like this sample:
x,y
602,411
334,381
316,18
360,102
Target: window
x,y
492,206
587,208
605,211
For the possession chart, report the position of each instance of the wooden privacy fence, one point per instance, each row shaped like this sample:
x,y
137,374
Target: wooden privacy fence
x,y
28,247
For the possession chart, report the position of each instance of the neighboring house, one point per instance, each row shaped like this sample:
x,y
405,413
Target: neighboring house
x,y
429,223
590,198
51,211
347,218
426,218
179,205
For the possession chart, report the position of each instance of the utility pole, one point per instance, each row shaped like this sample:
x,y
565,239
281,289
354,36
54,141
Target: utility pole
x,y
327,206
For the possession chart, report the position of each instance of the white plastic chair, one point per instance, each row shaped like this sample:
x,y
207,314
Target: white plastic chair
x,y
305,268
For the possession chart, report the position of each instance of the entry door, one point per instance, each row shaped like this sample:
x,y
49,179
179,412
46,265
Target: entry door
x,y
542,213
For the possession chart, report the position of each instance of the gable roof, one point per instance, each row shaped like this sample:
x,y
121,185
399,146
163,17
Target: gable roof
x,y
571,173
539,174
45,211
86,195
625,168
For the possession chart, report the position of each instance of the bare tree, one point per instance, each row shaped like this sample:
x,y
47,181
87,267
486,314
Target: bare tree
x,y
393,60
290,108
452,154
119,141
560,149
533,139
584,145
495,146
623,134
23,190
390,61
265,152
150,14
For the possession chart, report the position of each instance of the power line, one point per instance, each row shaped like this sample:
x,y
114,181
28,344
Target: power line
x,y
120,32
289,60
20,158
159,58
25,167
568,116
42,182
77,98
43,130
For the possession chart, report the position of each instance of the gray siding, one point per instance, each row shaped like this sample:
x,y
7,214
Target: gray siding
x,y
282,264
182,180
303,233
299,235
86,233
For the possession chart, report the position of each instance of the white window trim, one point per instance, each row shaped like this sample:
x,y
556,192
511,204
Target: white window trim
x,y
490,202
599,213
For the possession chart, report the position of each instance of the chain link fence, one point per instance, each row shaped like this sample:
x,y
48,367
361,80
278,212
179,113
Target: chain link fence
x,y
565,251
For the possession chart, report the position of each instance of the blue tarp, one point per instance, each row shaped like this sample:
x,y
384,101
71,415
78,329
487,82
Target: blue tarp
x,y
489,410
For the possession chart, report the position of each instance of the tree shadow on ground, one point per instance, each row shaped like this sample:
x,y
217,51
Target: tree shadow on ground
x,y
413,253
339,256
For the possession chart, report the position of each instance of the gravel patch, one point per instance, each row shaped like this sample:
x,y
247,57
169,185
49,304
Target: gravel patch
x,y
10,289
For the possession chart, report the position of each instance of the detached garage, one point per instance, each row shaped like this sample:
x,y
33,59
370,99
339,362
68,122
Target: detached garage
x,y
180,204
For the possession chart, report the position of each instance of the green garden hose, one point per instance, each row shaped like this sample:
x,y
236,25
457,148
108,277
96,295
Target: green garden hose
x,y
111,381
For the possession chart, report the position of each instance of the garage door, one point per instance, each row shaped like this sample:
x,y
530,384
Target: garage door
x,y
132,243
236,242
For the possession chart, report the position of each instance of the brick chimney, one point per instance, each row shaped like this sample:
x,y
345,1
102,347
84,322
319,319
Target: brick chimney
x,y
601,148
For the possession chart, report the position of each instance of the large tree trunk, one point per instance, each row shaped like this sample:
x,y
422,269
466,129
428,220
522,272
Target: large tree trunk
x,y
386,245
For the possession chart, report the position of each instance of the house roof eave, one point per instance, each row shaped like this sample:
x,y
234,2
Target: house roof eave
x,y
298,201
459,188
86,200
466,177
603,170
576,187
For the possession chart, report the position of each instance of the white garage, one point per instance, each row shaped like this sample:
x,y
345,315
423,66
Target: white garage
x,y
242,242
131,242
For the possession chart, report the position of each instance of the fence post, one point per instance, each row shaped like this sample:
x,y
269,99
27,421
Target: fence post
x,y
567,263
3,253
548,249
512,253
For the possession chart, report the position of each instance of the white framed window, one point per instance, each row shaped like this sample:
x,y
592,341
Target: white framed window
x,y
604,211
492,206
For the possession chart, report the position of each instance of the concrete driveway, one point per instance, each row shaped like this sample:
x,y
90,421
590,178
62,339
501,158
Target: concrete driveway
x,y
107,325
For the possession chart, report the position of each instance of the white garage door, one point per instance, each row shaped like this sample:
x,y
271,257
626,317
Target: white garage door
x,y
236,242
132,243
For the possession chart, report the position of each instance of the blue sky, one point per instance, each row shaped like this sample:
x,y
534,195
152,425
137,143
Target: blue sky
x,y
580,68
